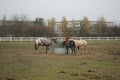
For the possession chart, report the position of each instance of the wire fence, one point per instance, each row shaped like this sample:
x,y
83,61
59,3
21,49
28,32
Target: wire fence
x,y
11,39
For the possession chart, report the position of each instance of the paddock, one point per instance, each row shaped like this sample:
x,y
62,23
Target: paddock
x,y
18,61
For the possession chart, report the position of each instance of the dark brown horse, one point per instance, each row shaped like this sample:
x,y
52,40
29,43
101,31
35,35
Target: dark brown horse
x,y
69,44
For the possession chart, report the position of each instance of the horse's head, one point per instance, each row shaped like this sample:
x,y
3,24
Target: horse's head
x,y
36,46
54,40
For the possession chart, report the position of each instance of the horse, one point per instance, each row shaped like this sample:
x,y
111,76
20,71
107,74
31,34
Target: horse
x,y
43,41
69,44
80,44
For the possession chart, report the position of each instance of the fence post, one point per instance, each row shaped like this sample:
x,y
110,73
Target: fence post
x,y
98,38
21,39
0,39
89,38
80,38
116,38
31,39
11,39
107,38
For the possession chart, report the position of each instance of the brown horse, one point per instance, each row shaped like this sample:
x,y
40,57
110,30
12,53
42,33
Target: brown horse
x,y
69,44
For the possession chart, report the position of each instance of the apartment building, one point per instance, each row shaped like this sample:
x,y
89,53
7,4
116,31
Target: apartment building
x,y
75,25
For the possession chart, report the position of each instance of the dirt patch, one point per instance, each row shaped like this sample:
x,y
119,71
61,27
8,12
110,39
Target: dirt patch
x,y
84,63
91,76
10,79
74,74
62,72
90,70
115,58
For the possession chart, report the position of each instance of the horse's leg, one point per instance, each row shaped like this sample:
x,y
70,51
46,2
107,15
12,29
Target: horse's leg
x,y
78,49
47,48
72,50
36,51
36,48
67,49
85,48
82,49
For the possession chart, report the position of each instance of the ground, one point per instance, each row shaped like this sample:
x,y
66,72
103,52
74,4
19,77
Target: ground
x,y
18,61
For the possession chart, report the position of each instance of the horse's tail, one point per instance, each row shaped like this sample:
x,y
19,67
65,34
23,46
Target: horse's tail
x,y
36,46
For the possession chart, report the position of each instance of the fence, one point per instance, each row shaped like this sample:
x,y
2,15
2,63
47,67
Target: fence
x,y
60,38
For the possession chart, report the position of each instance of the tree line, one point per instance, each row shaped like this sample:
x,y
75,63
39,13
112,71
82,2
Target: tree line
x,y
21,26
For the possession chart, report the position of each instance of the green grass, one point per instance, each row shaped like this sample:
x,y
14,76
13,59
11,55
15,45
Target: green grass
x,y
18,61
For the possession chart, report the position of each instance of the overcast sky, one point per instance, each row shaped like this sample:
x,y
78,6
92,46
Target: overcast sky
x,y
75,9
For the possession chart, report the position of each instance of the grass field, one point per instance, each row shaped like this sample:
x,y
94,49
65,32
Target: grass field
x,y
18,61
